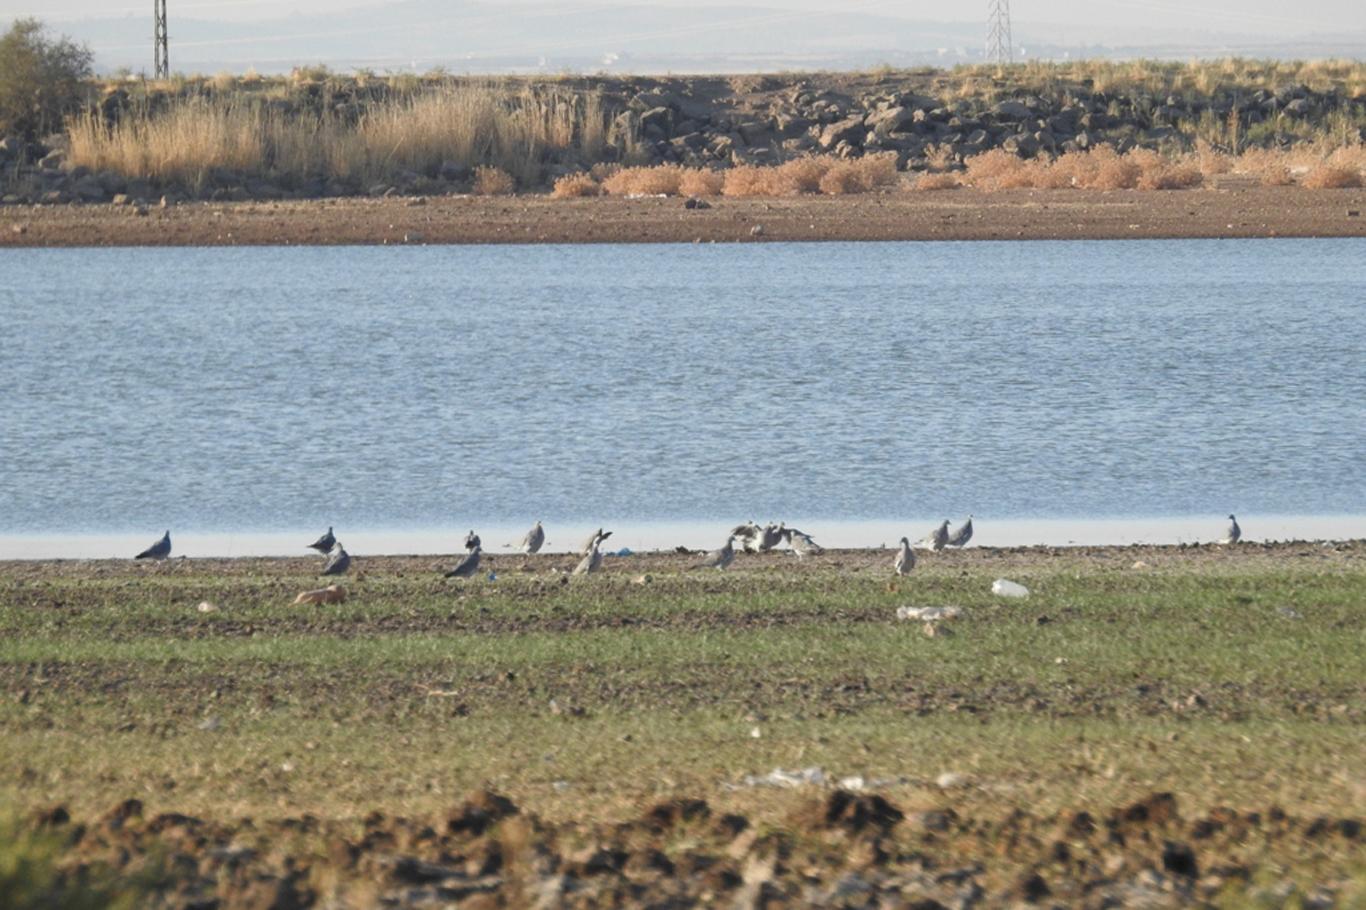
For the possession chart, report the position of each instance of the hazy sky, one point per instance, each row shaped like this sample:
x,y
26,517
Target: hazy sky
x,y
1269,17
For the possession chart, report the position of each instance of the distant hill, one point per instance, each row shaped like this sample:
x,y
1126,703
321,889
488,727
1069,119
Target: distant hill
x,y
486,37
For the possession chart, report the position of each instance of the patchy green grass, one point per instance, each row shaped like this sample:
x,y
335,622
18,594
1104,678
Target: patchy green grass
x,y
1226,677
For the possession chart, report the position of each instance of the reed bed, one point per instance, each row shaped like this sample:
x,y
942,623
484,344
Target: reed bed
x,y
515,130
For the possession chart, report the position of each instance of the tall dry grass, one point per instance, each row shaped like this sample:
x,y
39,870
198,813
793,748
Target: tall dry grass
x,y
471,125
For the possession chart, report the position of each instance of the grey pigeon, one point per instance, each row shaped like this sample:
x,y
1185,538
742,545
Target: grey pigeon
x,y
905,559
802,544
533,540
472,541
159,550
748,534
324,544
1234,533
771,536
936,539
467,566
594,539
719,559
961,536
591,562
338,562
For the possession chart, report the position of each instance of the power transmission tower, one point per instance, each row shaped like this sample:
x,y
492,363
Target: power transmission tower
x,y
998,32
162,49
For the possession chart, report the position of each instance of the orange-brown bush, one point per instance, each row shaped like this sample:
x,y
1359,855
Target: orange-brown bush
x,y
662,180
801,175
998,169
698,181
493,181
1269,167
574,185
1107,169
1328,176
1156,172
860,175
748,180
932,181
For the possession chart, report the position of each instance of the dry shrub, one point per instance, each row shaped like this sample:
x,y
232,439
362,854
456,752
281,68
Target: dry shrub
x,y
1269,167
933,181
748,180
801,175
1332,177
941,157
860,175
998,169
1156,172
698,181
1109,170
1211,161
603,169
493,181
572,186
661,180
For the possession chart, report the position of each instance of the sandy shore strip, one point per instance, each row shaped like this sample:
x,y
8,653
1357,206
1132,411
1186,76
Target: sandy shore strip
x,y
1239,211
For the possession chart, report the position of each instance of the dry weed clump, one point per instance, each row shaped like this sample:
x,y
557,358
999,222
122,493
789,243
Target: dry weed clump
x,y
697,181
998,169
748,180
1328,176
1271,168
493,181
860,175
801,175
933,181
572,186
663,180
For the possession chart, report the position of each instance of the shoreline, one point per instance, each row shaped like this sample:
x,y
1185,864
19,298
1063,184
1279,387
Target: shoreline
x,y
953,215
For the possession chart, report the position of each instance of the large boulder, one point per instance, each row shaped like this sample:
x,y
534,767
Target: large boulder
x,y
1012,110
849,130
89,189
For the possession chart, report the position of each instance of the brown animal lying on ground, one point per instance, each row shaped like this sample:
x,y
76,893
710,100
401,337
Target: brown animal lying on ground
x,y
332,594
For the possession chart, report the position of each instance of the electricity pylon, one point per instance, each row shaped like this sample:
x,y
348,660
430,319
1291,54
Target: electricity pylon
x,y
162,49
998,32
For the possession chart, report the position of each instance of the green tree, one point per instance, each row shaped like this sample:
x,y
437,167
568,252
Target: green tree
x,y
40,78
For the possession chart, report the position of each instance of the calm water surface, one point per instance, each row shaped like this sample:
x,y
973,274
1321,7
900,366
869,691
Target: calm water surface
x,y
274,389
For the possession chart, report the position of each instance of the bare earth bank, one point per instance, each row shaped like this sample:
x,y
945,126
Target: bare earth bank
x,y
1243,211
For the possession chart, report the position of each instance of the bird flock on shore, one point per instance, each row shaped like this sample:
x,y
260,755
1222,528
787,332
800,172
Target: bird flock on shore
x,y
751,537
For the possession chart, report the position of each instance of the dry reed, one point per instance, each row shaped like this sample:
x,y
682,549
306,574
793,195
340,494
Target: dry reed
x,y
573,186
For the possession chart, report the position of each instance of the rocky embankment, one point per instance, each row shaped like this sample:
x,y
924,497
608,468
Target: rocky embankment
x,y
721,122
842,849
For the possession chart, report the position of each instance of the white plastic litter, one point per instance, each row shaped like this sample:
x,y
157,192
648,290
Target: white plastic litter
x,y
928,614
1003,587
951,779
778,777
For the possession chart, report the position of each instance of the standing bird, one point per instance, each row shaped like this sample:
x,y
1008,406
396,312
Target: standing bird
x,y
472,541
159,550
338,562
962,535
771,536
590,562
594,539
324,544
467,566
748,534
719,559
905,559
533,540
1234,533
936,539
802,544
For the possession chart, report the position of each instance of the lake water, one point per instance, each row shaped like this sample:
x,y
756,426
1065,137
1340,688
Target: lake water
x,y
232,392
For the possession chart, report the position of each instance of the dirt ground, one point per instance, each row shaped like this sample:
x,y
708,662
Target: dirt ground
x,y
1232,210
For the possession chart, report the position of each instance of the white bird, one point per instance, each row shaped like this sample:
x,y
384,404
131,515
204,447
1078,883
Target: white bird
x,y
748,534
719,559
472,541
905,559
590,562
159,550
324,544
533,540
936,539
961,536
338,562
595,539
468,565
1234,533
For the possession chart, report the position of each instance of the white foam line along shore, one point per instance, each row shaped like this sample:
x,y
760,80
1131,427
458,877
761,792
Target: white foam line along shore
x,y
698,535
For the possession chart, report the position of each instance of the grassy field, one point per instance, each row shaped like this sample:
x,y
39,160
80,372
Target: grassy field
x,y
1228,677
